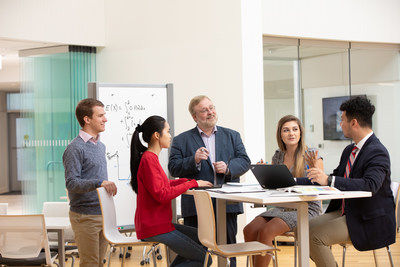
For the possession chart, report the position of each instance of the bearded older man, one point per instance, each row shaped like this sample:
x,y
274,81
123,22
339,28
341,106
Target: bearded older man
x,y
212,153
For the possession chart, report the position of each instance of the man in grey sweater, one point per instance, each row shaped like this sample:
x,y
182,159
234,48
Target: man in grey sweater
x,y
86,169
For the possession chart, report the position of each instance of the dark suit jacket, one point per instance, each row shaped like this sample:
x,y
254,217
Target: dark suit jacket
x,y
228,147
370,221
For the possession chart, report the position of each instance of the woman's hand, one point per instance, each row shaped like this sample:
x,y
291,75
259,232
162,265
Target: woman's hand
x,y
202,183
311,157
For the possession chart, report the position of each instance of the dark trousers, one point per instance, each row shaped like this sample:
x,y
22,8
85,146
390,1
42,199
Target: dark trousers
x,y
231,229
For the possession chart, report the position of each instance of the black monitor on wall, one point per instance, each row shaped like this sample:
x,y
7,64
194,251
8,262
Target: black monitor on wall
x,y
332,117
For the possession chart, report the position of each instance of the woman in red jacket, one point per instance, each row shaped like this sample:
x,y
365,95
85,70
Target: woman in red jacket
x,y
153,217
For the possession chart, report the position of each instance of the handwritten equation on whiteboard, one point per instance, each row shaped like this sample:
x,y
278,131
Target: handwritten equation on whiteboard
x,y
128,112
125,108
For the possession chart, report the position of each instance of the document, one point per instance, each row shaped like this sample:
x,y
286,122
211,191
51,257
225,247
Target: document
x,y
232,189
311,190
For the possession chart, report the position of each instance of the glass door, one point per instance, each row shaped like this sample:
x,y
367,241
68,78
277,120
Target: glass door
x,y
325,84
281,86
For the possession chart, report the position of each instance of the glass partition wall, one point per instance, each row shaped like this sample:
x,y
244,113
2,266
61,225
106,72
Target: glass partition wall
x,y
281,86
53,81
311,78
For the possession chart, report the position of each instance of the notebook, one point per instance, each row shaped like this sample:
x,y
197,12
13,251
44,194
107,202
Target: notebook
x,y
272,176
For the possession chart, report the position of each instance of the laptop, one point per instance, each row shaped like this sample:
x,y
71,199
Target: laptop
x,y
272,176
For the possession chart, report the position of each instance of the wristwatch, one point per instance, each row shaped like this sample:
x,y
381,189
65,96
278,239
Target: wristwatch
x,y
330,180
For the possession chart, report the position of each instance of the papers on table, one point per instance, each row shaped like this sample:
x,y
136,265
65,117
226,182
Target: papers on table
x,y
243,188
311,190
297,190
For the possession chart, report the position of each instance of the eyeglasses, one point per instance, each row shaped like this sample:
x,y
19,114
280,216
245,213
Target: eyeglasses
x,y
206,110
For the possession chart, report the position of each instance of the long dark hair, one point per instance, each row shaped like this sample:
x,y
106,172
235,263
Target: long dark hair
x,y
150,125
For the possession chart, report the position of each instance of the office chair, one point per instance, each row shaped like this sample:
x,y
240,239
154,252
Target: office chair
x,y
61,209
24,241
207,234
110,228
396,194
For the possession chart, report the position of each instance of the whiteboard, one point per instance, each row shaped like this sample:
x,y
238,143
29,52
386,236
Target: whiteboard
x,y
126,106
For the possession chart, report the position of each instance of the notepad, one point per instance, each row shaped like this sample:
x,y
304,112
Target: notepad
x,y
311,190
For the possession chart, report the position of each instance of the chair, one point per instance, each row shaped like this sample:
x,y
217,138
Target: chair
x,y
110,228
3,208
207,234
291,235
22,238
396,194
60,209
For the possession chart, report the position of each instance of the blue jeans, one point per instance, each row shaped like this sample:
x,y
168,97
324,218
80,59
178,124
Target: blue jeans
x,y
184,241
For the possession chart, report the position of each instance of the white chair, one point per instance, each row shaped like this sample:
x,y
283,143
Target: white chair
x,y
396,194
22,237
61,209
58,209
3,208
207,234
110,228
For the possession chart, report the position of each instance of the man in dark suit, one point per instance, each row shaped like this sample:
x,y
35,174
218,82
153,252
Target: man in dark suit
x,y
210,153
369,223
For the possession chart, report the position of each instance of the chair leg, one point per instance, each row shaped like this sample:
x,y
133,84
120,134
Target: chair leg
x,y
168,258
153,252
228,262
295,251
344,255
274,261
109,256
206,259
390,256
276,252
123,256
375,258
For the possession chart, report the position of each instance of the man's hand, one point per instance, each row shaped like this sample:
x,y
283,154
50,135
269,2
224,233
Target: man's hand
x,y
110,187
220,167
316,175
201,154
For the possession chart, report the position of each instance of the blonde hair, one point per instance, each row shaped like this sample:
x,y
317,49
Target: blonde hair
x,y
298,167
195,101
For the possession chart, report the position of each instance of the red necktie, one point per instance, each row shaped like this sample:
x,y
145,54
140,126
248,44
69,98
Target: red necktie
x,y
348,168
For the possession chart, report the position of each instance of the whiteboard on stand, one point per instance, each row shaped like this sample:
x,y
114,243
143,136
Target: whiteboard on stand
x,y
126,106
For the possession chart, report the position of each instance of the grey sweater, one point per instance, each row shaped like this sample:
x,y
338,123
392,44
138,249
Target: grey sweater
x,y
85,169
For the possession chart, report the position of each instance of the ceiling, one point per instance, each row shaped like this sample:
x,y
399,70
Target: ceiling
x,y
9,48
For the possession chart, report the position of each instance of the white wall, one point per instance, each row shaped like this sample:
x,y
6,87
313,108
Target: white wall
x,y
351,20
194,45
66,22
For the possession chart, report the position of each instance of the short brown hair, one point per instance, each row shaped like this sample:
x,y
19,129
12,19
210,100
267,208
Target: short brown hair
x,y
85,108
195,101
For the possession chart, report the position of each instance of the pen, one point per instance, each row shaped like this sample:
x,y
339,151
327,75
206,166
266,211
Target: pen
x,y
308,167
227,169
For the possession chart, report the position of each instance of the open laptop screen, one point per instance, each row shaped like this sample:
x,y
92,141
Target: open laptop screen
x,y
272,176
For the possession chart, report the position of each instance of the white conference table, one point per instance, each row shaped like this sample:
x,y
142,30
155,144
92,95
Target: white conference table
x,y
58,225
289,200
